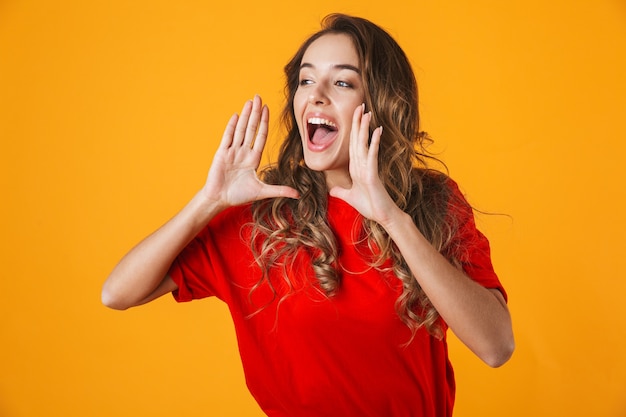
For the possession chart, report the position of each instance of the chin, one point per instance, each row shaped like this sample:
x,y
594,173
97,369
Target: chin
x,y
314,166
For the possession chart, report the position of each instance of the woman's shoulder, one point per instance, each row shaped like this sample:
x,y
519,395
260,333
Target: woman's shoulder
x,y
434,180
234,212
439,198
432,187
230,220
438,185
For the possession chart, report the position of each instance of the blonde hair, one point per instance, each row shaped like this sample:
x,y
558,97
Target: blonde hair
x,y
283,226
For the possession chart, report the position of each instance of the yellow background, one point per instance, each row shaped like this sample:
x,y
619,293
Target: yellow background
x,y
110,112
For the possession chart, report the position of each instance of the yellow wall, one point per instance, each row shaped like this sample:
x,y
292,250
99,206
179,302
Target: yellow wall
x,y
110,112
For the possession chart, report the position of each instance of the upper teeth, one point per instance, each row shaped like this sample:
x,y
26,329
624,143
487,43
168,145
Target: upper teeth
x,y
320,121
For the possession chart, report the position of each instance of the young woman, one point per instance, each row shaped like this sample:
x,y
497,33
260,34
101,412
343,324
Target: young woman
x,y
344,264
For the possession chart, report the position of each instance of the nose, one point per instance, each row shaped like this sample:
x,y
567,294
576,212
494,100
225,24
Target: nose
x,y
317,95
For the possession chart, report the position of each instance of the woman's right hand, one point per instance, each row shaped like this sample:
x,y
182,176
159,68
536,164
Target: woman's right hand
x,y
232,178
141,275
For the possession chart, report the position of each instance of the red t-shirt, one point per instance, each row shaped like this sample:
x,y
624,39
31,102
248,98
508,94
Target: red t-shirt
x,y
312,355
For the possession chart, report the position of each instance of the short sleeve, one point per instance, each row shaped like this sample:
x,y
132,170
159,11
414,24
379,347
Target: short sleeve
x,y
192,270
470,246
206,266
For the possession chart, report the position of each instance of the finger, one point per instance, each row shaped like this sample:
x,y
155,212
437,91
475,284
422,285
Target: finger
x,y
364,131
372,155
339,192
229,131
360,141
261,136
356,122
242,124
272,191
253,122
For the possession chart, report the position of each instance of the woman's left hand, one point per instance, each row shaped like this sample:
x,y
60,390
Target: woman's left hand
x,y
478,316
367,193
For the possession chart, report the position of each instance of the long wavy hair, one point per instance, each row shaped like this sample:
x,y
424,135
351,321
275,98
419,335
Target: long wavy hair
x,y
282,227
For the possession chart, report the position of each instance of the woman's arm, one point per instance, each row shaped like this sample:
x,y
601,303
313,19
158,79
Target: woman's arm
x,y
141,275
478,316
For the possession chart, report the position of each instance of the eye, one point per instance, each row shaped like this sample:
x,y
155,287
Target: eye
x,y
343,84
305,81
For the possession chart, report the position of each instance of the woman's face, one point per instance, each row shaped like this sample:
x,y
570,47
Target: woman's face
x,y
330,89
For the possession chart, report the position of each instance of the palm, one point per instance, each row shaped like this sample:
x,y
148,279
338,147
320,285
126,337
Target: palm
x,y
367,193
232,179
232,176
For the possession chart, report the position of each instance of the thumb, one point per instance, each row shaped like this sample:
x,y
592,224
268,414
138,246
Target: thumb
x,y
271,191
339,192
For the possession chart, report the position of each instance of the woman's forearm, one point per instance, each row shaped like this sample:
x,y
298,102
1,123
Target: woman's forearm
x,y
478,316
142,271
232,180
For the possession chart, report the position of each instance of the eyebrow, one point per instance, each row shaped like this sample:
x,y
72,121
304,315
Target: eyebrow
x,y
336,66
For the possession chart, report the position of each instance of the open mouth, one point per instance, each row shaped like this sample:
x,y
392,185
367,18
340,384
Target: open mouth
x,y
320,131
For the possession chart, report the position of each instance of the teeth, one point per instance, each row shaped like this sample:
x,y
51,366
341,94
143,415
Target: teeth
x,y
320,121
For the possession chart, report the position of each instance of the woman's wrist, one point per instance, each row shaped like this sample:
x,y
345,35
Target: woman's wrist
x,y
203,207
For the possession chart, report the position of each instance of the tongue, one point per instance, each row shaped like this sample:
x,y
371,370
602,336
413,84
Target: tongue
x,y
322,135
